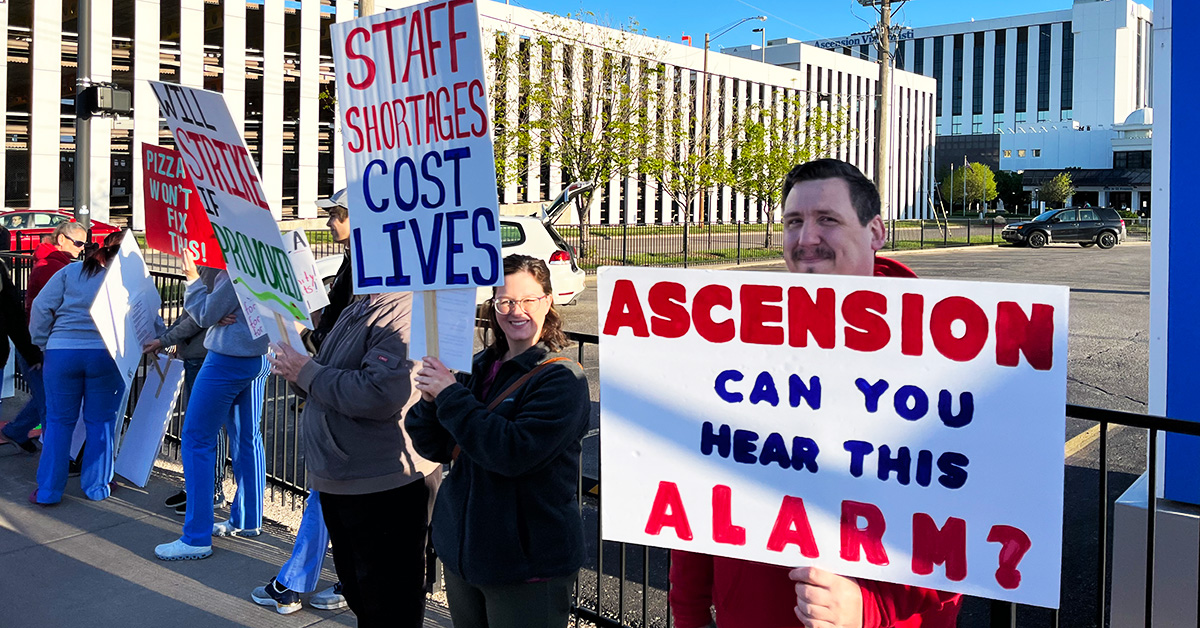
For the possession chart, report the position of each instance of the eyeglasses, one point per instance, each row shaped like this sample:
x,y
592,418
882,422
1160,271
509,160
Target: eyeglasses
x,y
505,306
77,243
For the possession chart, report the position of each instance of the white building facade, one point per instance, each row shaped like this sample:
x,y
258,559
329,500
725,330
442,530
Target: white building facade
x,y
272,60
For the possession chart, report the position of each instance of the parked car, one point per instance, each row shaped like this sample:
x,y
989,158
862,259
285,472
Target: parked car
x,y
27,226
1083,225
534,236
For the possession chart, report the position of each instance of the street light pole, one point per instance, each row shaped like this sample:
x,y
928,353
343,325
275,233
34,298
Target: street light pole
x,y
883,115
763,48
704,99
83,123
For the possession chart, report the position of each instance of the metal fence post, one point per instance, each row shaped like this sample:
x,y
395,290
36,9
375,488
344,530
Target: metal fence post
x,y
624,243
968,232
685,243
739,241
922,225
946,234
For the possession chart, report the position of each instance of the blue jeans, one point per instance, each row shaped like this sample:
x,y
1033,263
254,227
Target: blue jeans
x,y
76,378
302,571
228,391
191,368
34,412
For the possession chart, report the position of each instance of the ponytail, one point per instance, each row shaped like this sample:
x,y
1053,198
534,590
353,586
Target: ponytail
x,y
98,260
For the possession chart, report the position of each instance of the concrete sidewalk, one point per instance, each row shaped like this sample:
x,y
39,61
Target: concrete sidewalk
x,y
85,563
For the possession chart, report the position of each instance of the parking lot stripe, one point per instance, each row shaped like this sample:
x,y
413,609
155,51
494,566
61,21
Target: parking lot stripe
x,y
1076,444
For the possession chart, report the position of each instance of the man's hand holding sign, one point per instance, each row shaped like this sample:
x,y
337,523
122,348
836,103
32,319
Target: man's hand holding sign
x,y
834,425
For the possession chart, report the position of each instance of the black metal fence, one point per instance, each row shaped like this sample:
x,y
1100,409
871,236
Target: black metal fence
x,y
679,245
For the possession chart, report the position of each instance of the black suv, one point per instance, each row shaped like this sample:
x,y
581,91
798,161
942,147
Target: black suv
x,y
1084,225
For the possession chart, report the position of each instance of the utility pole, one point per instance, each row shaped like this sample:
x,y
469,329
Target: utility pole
x,y
83,123
882,112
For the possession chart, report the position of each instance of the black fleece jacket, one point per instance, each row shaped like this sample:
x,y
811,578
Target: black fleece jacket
x,y
507,513
12,322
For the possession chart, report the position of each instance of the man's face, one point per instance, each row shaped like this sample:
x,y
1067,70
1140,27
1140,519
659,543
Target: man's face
x,y
339,228
72,242
822,234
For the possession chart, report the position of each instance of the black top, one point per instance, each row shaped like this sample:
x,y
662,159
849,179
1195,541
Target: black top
x,y
12,322
508,510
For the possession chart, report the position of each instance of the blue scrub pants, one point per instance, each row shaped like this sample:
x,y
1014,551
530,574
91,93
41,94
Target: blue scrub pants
x,y
76,378
228,391
303,570
34,412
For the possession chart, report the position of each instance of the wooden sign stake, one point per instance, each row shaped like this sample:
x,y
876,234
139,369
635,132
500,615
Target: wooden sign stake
x,y
431,323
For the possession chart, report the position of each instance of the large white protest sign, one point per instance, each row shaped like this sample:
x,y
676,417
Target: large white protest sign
x,y
126,308
143,437
230,188
901,430
7,386
420,171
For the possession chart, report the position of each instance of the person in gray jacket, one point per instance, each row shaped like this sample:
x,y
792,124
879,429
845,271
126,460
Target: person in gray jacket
x,y
229,391
374,497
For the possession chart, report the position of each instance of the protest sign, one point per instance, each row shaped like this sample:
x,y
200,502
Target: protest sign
x,y
454,318
148,425
227,180
305,265
420,171
901,430
126,308
8,385
175,219
278,327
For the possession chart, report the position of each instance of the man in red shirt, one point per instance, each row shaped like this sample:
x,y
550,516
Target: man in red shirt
x,y
831,225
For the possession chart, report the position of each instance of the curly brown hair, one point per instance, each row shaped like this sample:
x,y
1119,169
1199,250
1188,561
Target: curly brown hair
x,y
552,333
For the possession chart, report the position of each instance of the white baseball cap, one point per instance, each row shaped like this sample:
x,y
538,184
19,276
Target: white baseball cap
x,y
338,199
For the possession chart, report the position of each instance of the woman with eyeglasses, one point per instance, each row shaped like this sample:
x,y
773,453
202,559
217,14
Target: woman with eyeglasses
x,y
506,523
78,372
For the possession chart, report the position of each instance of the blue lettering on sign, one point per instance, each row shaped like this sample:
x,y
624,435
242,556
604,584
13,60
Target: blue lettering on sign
x,y
398,277
810,393
454,247
764,390
363,279
742,445
411,204
434,180
366,187
919,401
966,409
872,392
724,378
493,253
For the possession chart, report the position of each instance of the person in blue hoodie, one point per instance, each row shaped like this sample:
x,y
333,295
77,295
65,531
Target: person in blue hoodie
x,y
228,390
78,371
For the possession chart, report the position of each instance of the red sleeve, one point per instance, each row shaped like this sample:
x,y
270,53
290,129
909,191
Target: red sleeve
x,y
886,604
691,589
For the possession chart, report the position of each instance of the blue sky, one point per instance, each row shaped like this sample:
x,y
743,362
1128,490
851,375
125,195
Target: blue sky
x,y
799,19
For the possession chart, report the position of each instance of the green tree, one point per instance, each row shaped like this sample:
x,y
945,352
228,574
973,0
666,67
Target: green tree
x,y
1010,188
772,140
980,185
1057,190
580,106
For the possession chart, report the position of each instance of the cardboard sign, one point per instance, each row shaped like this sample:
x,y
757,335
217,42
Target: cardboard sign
x,y
227,180
143,438
8,383
420,171
126,308
305,265
455,320
278,327
175,218
903,430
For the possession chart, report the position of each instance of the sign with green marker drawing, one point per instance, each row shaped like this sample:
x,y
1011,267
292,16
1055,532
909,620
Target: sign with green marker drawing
x,y
231,191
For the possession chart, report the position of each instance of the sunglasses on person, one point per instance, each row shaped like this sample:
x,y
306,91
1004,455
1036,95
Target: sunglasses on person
x,y
505,306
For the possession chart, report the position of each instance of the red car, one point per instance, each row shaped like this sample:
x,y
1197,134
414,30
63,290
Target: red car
x,y
27,226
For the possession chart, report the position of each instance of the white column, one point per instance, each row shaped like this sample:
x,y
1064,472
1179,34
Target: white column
x,y
309,129
989,80
233,62
100,44
927,63
1010,77
1056,61
534,187
1102,199
44,122
191,43
146,25
271,134
345,12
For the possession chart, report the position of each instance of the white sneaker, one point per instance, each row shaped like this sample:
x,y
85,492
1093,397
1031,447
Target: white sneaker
x,y
330,599
226,528
178,550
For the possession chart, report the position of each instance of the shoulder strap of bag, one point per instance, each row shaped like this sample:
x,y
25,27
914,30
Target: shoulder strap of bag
x,y
511,389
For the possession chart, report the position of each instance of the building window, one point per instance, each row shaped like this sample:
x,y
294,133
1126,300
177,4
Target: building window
x,y
919,53
1037,152
1067,115
977,77
956,125
1008,154
956,86
1131,160
998,71
1043,116
1043,96
1068,69
1020,152
1021,117
937,121
901,61
864,52
997,118
939,47
1021,76
977,124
